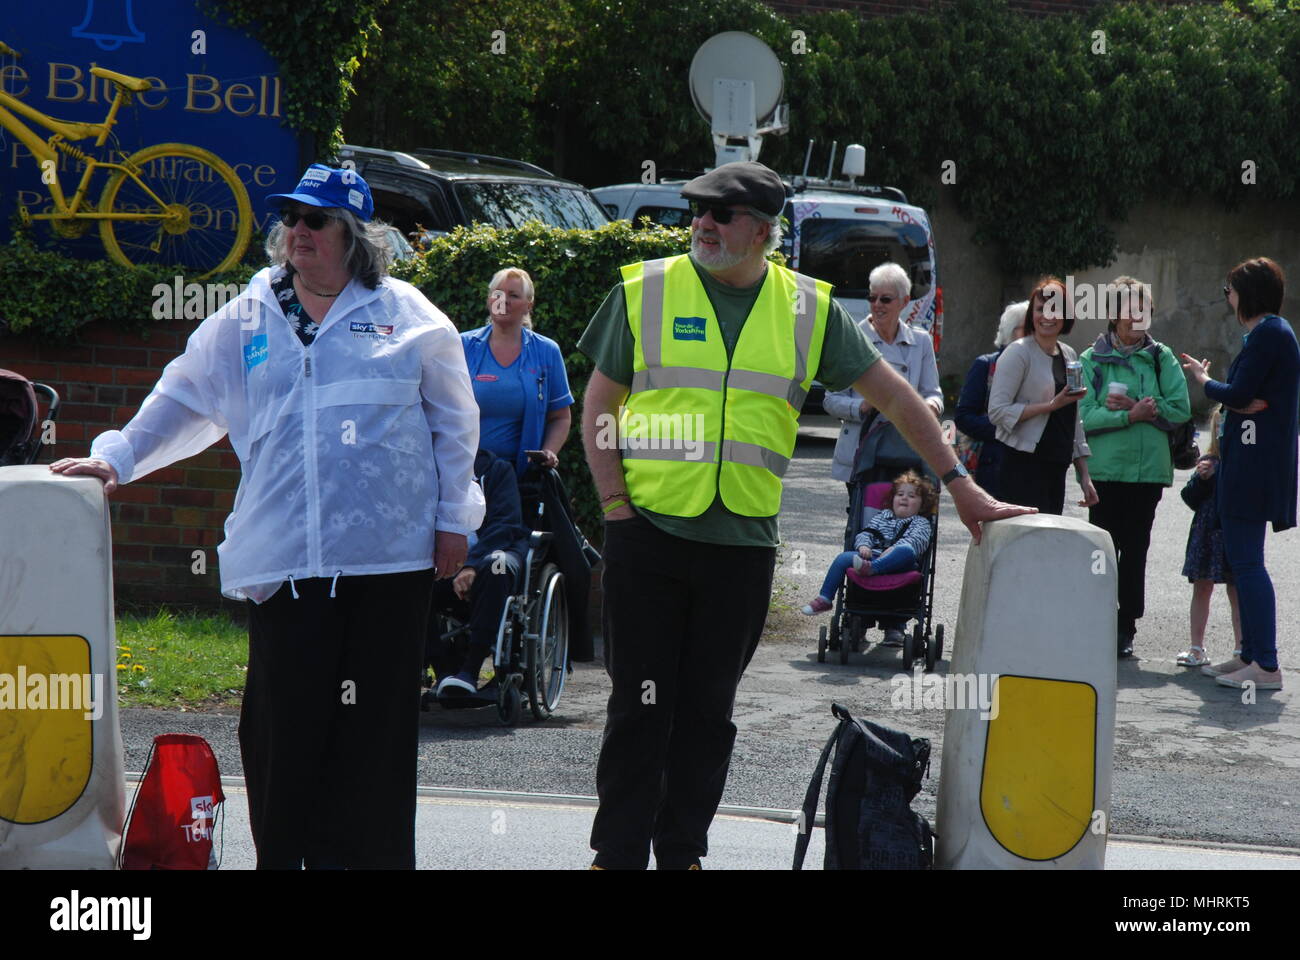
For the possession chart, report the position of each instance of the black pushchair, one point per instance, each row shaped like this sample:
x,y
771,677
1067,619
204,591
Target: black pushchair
x,y
20,438
864,602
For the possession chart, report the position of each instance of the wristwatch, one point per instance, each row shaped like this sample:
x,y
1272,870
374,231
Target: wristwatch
x,y
956,473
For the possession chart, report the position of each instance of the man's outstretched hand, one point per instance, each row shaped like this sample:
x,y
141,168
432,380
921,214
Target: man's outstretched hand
x,y
974,505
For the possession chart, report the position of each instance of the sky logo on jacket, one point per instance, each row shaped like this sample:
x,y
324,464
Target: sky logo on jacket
x,y
256,351
688,328
365,329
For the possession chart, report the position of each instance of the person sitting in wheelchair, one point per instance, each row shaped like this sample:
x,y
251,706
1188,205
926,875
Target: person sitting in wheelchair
x,y
480,589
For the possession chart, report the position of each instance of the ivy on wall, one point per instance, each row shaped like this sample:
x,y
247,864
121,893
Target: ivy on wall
x,y
318,46
1047,128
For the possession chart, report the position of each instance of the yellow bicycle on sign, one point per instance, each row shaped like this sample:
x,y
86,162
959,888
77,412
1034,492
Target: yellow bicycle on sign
x,y
172,204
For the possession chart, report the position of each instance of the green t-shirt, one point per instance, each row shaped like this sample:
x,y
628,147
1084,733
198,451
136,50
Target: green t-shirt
x,y
608,341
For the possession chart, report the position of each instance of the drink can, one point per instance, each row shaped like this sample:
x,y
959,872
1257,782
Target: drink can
x,y
1074,375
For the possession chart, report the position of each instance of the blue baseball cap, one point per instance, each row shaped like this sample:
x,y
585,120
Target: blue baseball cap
x,y
323,186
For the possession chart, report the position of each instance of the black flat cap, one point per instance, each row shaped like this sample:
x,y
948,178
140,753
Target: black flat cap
x,y
745,182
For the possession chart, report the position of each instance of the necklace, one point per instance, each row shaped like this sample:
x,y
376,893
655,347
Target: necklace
x,y
298,277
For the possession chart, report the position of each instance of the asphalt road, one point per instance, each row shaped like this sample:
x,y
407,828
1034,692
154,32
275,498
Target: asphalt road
x,y
1192,763
471,831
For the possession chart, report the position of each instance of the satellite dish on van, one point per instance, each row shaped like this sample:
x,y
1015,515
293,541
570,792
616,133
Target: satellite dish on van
x,y
736,82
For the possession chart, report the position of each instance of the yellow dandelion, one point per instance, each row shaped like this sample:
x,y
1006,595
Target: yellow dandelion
x,y
153,649
138,668
125,656
121,666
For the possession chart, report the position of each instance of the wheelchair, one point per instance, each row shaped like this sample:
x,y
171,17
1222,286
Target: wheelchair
x,y
530,658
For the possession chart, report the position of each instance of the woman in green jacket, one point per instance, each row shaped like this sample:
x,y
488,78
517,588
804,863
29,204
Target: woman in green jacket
x,y
1137,394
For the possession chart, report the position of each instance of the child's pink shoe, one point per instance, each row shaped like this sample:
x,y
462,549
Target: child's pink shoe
x,y
818,605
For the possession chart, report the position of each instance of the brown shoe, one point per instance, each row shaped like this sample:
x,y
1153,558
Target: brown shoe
x,y
1252,676
1227,666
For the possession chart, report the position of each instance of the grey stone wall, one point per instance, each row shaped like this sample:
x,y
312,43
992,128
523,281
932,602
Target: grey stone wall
x,y
1184,250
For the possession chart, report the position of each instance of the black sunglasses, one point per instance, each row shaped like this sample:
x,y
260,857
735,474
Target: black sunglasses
x,y
721,214
881,297
314,219
1227,290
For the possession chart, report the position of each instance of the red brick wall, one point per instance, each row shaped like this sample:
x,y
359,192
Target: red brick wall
x,y
874,8
158,522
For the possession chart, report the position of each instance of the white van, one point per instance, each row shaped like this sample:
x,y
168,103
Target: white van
x,y
838,233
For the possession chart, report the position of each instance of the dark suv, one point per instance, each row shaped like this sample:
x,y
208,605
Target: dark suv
x,y
428,192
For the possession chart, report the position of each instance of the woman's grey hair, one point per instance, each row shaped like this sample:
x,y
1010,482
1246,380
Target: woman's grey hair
x,y
774,235
1013,316
892,276
367,251
1131,294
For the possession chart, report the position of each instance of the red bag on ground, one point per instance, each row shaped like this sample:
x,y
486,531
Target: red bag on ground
x,y
170,824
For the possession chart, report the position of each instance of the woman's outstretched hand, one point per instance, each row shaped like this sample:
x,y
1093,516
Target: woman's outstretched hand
x,y
85,466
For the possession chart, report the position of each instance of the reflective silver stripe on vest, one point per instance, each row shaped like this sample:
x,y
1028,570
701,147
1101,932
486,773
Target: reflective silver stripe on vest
x,y
652,313
771,384
704,451
805,323
751,454
662,378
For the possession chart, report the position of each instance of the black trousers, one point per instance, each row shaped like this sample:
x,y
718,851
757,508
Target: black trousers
x,y
682,620
1030,481
487,598
1126,511
330,722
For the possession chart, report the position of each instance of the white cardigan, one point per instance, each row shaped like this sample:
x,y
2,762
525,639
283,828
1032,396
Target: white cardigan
x,y
1024,376
918,369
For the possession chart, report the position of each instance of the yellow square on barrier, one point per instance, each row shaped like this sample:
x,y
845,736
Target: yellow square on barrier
x,y
48,702
1036,792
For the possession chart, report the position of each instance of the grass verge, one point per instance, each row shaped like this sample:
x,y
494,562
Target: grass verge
x,y
180,661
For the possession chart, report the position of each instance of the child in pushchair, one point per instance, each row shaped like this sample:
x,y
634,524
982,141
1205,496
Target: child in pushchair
x,y
894,540
887,578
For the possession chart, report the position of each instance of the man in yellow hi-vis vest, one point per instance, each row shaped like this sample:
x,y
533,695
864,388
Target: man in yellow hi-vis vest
x,y
689,421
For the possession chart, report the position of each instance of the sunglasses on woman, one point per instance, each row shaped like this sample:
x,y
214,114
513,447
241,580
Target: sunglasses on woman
x,y
883,298
721,215
314,219
1227,290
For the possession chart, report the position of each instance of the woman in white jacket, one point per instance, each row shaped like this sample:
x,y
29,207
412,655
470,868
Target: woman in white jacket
x,y
1036,416
908,350
345,396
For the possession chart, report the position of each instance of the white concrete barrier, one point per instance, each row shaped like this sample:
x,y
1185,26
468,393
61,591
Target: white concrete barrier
x,y
62,791
1026,783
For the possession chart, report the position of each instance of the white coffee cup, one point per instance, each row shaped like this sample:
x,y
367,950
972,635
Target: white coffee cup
x,y
1117,389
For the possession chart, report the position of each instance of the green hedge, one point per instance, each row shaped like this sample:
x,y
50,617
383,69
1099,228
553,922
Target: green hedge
x,y
572,271
50,296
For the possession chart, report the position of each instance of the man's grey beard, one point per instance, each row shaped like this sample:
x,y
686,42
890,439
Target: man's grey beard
x,y
724,259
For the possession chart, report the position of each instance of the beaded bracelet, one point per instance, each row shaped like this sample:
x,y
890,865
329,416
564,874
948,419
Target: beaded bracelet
x,y
611,496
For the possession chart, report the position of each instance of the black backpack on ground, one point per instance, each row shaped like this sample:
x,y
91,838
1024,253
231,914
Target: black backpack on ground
x,y
870,824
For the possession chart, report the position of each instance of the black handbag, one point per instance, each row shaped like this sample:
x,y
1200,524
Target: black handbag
x,y
1182,438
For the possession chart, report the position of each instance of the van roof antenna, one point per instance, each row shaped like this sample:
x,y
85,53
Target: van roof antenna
x,y
807,159
830,167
